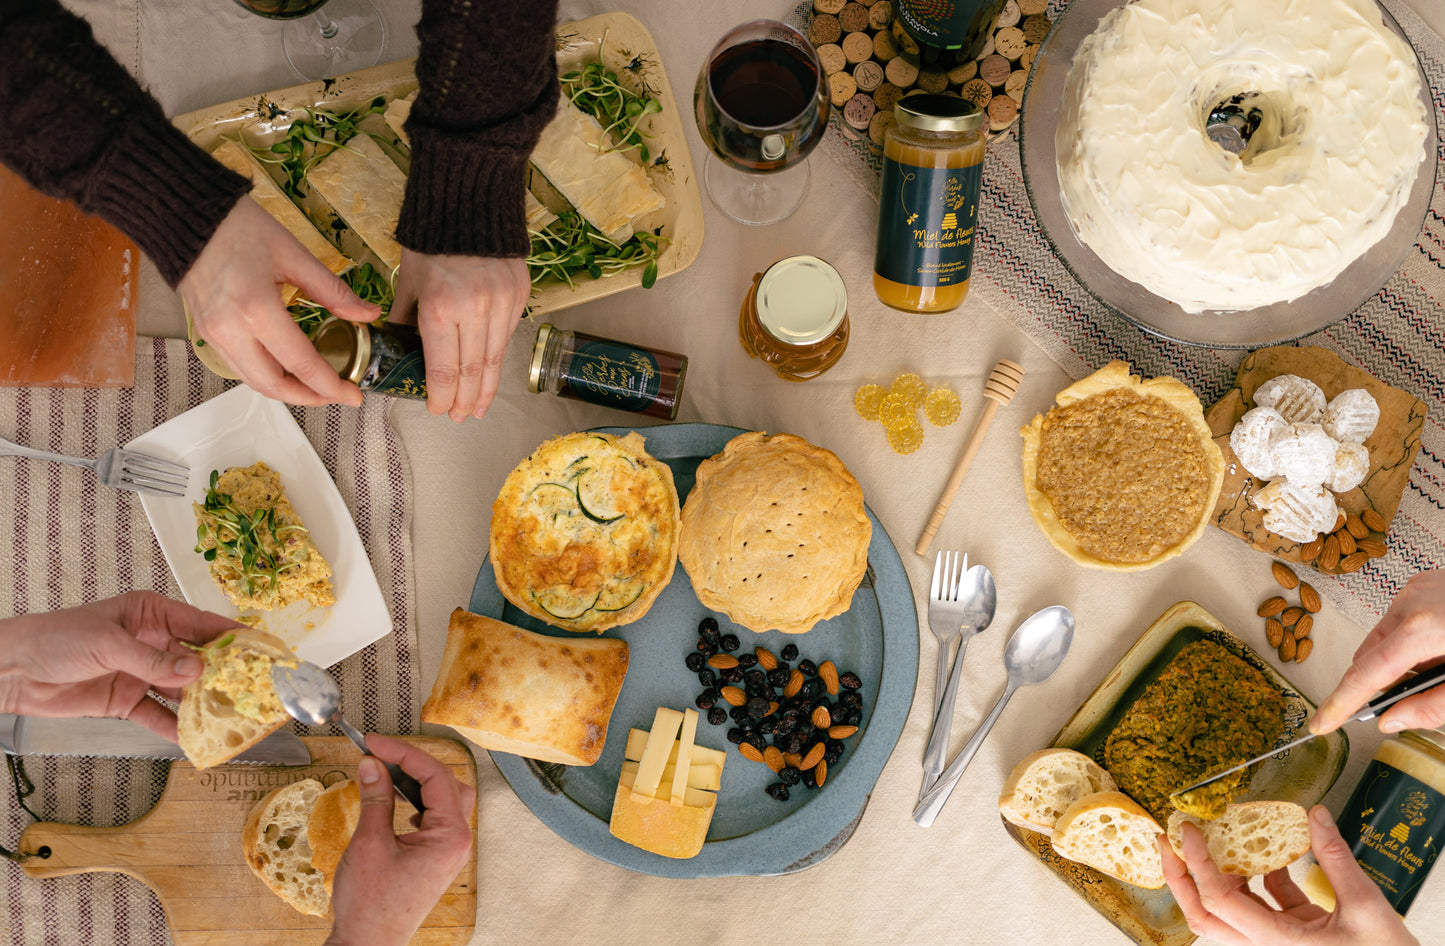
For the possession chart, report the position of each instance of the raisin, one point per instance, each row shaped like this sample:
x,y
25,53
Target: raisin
x,y
767,725
735,735
757,706
790,775
831,756
732,675
811,689
809,668
790,652
810,780
778,790
756,677
695,661
850,681
707,676
706,647
854,718
730,643
717,715
707,627
738,713
756,741
777,677
747,661
707,699
794,743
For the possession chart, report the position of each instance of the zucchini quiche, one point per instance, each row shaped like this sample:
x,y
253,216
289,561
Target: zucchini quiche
x,y
1123,473
584,531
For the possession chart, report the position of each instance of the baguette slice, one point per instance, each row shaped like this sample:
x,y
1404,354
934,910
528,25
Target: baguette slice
x,y
1109,832
277,848
232,705
1046,783
1250,838
333,821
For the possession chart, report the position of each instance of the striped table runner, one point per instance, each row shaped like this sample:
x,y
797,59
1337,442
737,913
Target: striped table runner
x,y
76,541
1398,336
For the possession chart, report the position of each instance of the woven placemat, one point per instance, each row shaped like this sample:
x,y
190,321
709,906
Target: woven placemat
x,y
76,541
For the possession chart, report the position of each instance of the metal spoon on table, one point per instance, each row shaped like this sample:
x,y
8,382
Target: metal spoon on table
x,y
980,596
1033,653
312,697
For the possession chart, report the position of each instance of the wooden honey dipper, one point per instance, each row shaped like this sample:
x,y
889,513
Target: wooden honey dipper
x,y
999,389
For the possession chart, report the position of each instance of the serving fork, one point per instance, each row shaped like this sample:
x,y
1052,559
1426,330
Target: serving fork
x,y
119,469
960,597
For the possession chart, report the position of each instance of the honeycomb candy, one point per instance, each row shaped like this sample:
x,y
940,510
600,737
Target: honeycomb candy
x,y
1352,465
1352,415
941,407
1297,513
1298,400
867,401
895,411
905,438
910,387
1251,438
1304,454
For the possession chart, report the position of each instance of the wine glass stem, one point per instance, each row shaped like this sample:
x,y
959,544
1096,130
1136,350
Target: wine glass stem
x,y
327,24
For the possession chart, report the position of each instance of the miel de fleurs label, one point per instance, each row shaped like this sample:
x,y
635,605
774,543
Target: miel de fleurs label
x,y
927,219
1395,824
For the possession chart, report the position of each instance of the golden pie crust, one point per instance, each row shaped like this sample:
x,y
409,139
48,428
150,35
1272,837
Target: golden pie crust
x,y
774,533
584,531
1123,473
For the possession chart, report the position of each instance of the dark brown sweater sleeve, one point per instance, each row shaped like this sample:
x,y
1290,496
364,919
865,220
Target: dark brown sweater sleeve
x,y
488,86
77,125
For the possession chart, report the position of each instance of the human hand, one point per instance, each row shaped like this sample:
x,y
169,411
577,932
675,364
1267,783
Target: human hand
x,y
467,307
387,883
1222,907
233,293
1410,636
100,659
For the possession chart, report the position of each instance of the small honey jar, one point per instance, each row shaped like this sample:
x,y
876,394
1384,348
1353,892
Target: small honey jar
x,y
384,357
795,317
606,371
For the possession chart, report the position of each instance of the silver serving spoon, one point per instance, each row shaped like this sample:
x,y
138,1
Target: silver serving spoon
x,y
1032,655
980,597
312,697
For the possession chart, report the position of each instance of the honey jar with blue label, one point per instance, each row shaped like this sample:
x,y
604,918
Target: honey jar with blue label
x,y
606,371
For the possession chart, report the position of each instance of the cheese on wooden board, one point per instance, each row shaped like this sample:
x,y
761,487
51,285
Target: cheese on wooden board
x,y
664,801
365,187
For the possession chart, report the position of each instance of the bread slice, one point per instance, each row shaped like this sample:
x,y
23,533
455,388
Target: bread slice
x,y
295,836
1250,838
1046,783
232,705
1109,832
333,820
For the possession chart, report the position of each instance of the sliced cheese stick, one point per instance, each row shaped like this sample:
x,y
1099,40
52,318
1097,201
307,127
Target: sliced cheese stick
x,y
363,185
274,201
396,114
608,188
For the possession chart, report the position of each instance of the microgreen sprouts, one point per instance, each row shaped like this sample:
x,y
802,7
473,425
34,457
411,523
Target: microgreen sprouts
x,y
365,280
312,138
242,537
572,246
595,89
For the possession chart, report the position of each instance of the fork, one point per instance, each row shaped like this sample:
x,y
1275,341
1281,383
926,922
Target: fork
x,y
119,469
945,614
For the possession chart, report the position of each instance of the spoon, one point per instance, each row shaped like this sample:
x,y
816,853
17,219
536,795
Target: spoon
x,y
1033,653
312,697
980,597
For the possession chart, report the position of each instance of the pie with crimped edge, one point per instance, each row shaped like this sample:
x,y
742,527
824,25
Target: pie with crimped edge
x,y
774,533
1122,473
584,531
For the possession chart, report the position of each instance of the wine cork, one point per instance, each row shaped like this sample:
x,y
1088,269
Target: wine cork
x,y
868,74
977,91
832,57
884,48
987,48
1009,43
901,38
857,47
901,72
930,81
880,14
841,88
961,73
878,127
995,70
830,7
825,28
1002,110
1026,61
1033,7
1036,28
886,96
1008,16
1014,87
859,111
853,17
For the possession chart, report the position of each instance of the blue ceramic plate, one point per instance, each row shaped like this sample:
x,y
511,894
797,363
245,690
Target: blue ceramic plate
x,y
877,638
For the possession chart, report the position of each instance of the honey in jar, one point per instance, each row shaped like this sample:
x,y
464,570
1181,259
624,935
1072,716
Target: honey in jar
x,y
795,317
928,206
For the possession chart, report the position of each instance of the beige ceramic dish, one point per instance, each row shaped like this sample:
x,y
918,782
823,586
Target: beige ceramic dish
x,y
621,42
1302,774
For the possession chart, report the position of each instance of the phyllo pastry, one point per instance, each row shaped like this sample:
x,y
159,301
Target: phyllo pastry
x,y
775,534
584,531
365,187
511,690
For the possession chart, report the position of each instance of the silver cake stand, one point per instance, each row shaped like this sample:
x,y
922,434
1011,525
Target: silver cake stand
x,y
1267,325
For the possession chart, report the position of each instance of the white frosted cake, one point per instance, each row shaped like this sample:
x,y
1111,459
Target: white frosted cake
x,y
1336,137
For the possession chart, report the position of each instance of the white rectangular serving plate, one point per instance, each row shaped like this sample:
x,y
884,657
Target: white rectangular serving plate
x,y
239,428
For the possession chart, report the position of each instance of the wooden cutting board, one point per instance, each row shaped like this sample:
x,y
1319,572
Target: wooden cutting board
x,y
188,850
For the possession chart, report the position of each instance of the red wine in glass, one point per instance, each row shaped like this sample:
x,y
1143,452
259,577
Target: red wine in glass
x,y
281,9
325,38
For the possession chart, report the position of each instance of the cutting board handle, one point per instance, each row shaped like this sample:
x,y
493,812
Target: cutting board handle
x,y
75,849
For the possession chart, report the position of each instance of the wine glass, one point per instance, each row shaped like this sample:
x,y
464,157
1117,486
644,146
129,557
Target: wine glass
x,y
762,105
320,43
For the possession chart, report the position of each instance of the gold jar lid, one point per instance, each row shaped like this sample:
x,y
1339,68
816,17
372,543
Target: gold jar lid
x,y
539,355
346,346
801,300
1433,737
947,113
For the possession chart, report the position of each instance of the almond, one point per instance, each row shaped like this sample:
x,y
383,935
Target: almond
x,y
1273,631
795,683
814,756
820,773
766,660
722,661
829,673
1291,615
1271,606
734,695
1353,563
1339,522
773,758
1284,575
1355,526
1375,548
1347,542
1304,649
1374,520
750,752
1309,597
1311,550
1303,628
841,732
1330,554
772,708
821,718
1287,648
793,759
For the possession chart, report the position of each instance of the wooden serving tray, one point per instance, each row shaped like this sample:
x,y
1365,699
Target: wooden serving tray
x,y
1392,446
188,850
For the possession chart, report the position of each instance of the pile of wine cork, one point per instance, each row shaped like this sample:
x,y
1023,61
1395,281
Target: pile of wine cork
x,y
871,63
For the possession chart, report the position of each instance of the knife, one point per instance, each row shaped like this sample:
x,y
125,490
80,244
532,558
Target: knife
x,y
1425,680
97,736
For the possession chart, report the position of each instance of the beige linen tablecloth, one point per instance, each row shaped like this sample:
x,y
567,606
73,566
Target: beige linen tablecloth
x,y
962,880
